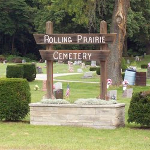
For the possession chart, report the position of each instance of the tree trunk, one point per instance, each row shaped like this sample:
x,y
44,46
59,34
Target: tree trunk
x,y
118,26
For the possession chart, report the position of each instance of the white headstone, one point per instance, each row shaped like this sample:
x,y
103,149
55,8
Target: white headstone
x,y
112,94
88,75
93,63
70,66
128,61
79,70
83,65
58,85
128,93
23,61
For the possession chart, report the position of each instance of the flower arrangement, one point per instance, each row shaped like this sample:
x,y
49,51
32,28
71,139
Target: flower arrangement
x,y
109,82
36,88
125,84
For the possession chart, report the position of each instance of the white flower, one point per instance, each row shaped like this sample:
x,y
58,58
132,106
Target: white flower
x,y
36,87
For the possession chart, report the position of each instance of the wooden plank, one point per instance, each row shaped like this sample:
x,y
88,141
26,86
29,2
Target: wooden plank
x,y
103,64
49,63
74,54
77,38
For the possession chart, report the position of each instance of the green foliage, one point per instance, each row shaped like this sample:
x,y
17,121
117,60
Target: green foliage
x,y
123,64
29,71
14,71
2,58
14,99
139,109
123,74
138,25
88,63
98,71
16,25
93,68
144,66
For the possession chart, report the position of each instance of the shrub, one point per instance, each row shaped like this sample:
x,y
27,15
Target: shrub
x,y
14,98
93,68
14,71
123,64
98,71
29,71
2,58
139,109
144,66
123,74
88,63
14,58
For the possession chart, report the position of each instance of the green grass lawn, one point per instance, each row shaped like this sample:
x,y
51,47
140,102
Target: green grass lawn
x,y
23,136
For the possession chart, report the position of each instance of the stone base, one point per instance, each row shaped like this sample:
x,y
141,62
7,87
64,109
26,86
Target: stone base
x,y
95,116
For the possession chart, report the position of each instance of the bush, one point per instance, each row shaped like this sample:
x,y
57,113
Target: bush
x,y
88,63
123,74
123,64
139,109
93,68
14,59
98,71
14,99
29,71
2,58
14,71
144,66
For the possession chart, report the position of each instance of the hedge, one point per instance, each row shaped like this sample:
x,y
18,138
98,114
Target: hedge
x,y
27,71
14,98
139,109
93,68
98,71
14,71
144,66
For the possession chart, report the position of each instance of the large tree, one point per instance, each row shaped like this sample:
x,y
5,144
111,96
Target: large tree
x,y
119,21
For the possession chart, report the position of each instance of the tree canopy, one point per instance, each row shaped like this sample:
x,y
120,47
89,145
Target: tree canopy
x,y
21,18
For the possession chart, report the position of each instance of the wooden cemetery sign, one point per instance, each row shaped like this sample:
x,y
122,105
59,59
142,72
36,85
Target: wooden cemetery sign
x,y
102,38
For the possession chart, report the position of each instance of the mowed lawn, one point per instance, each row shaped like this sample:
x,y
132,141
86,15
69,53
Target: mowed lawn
x,y
23,136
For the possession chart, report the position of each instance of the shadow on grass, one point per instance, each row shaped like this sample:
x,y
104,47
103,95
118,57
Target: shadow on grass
x,y
18,121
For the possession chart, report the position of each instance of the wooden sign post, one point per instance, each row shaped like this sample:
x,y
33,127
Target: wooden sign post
x,y
100,55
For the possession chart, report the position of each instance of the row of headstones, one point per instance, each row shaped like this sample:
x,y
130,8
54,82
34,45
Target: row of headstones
x,y
112,94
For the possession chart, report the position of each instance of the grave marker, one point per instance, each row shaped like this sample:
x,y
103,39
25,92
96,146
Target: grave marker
x,y
148,73
127,93
112,94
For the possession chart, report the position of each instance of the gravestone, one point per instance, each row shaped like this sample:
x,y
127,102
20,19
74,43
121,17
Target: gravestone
x,y
88,75
137,58
128,61
70,66
112,94
79,70
93,63
148,73
57,86
23,61
127,93
58,91
83,65
39,70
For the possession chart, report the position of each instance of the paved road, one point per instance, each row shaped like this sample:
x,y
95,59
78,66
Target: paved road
x,y
44,77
